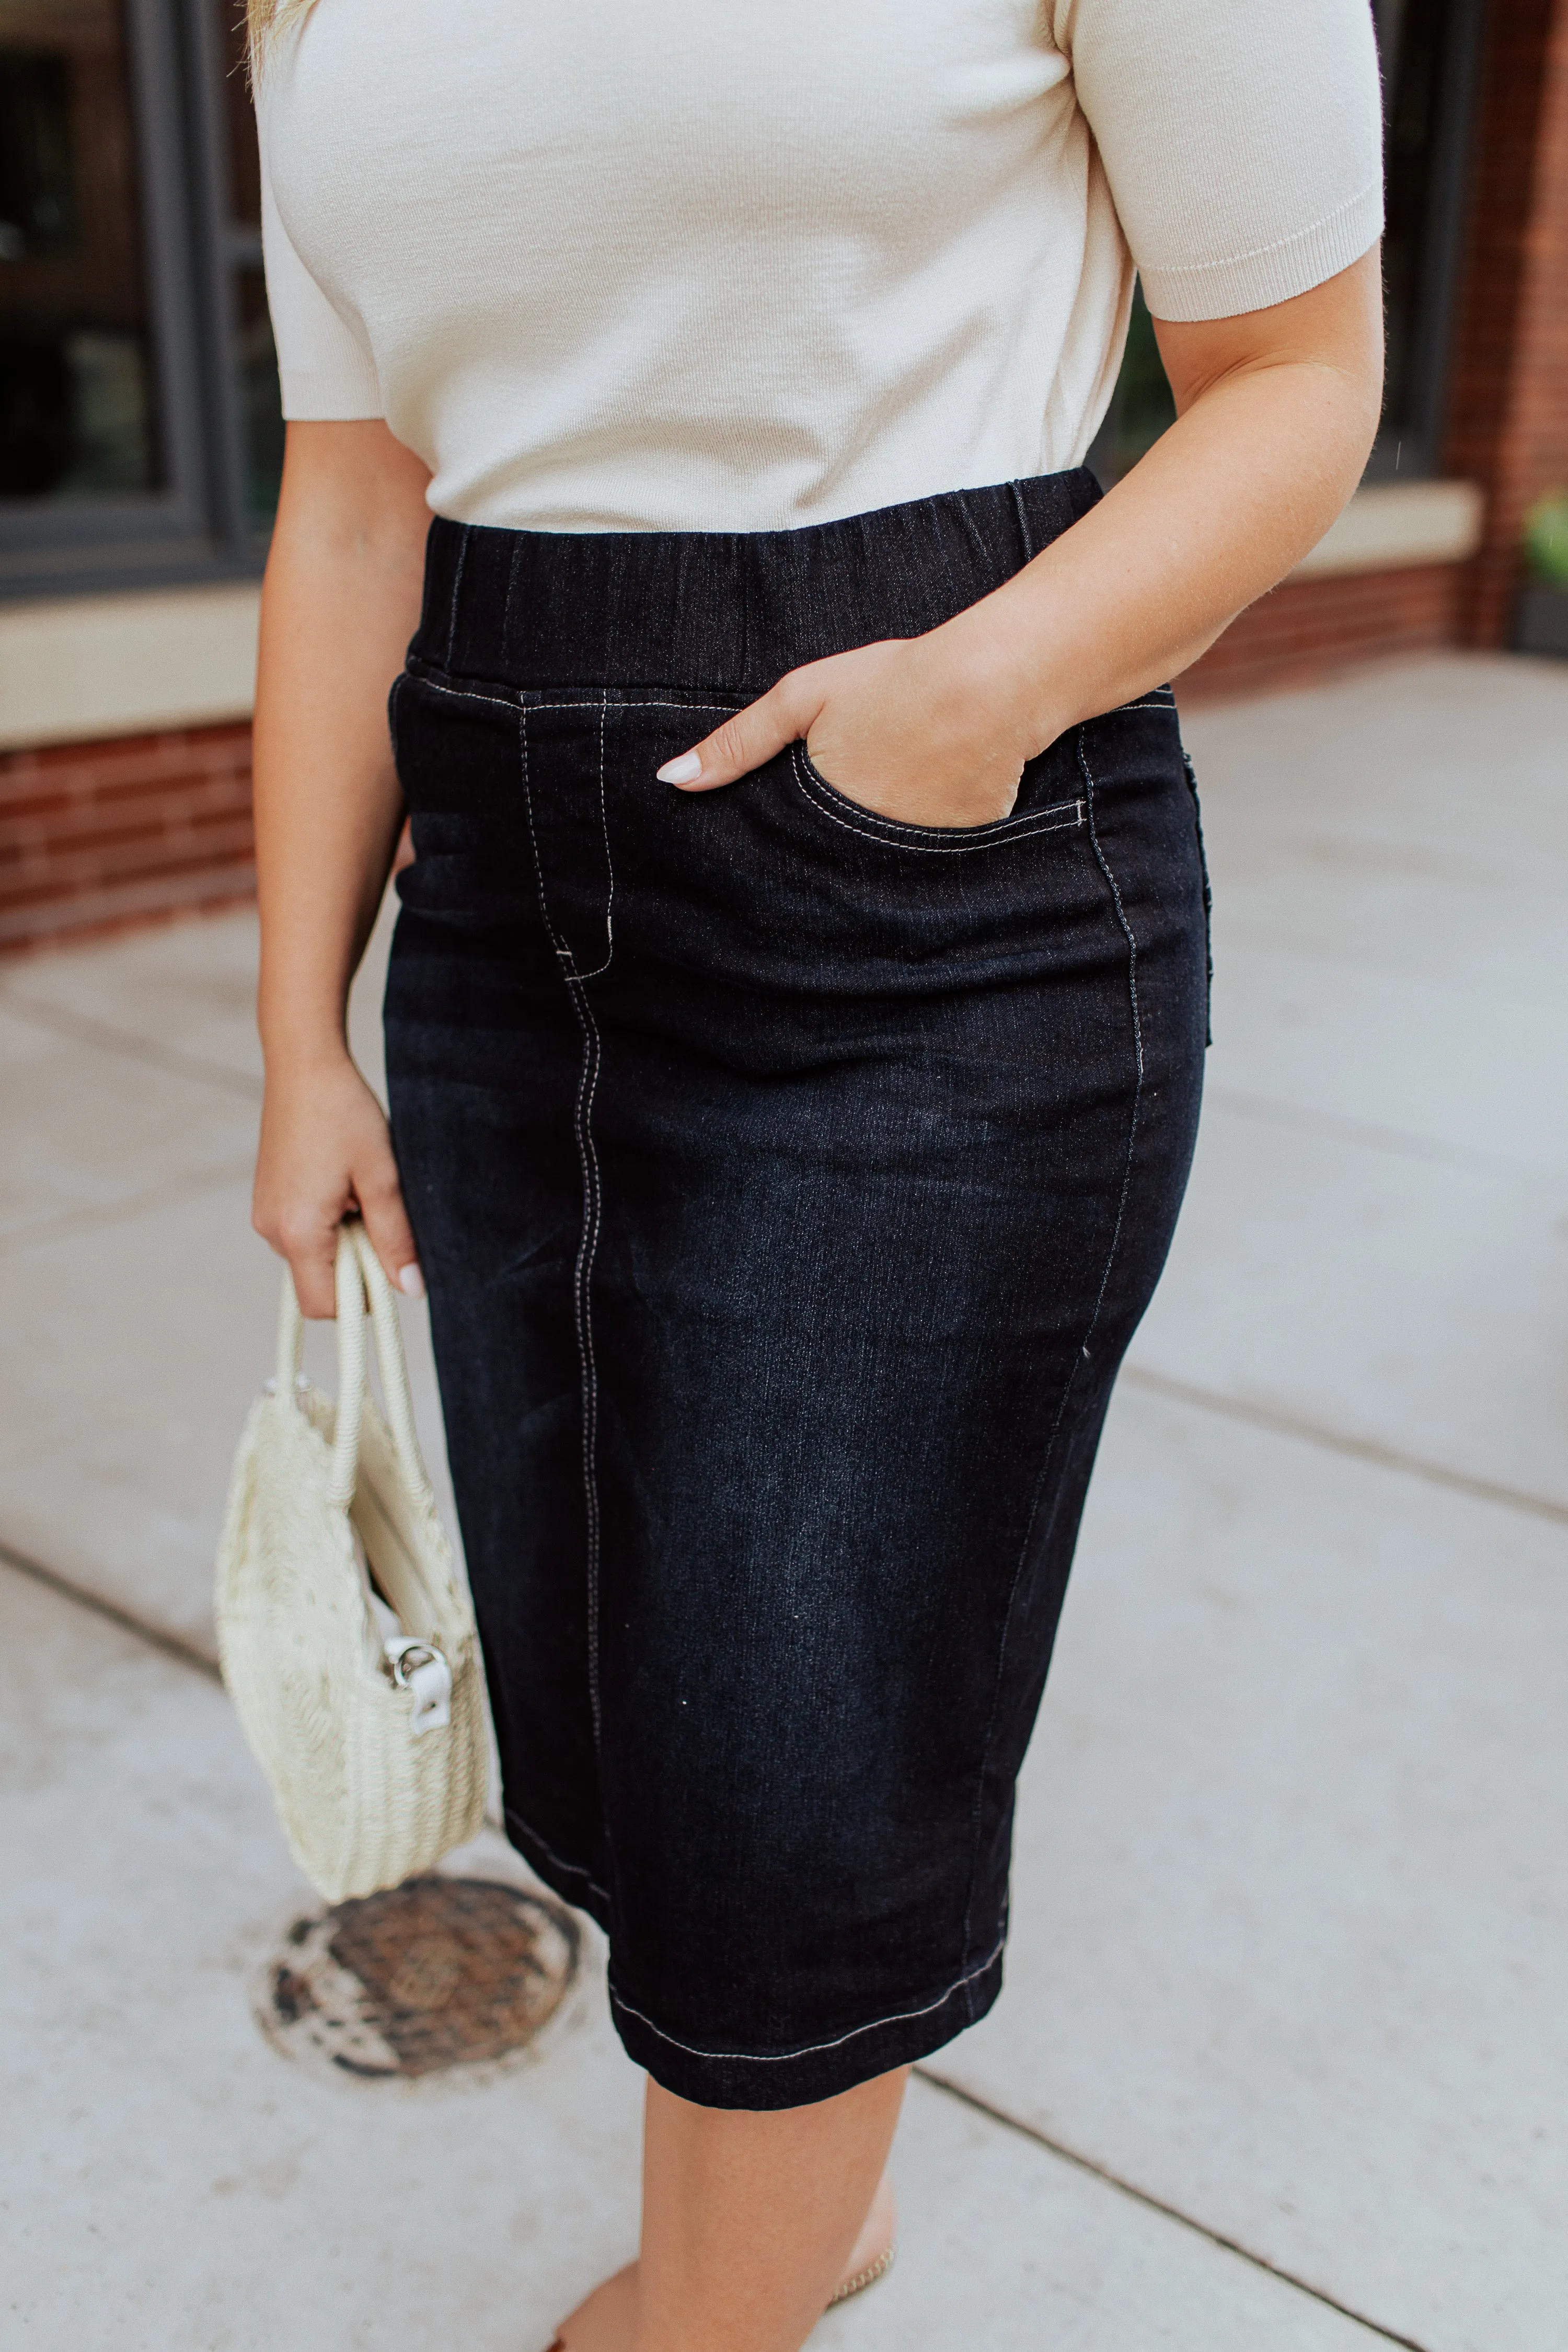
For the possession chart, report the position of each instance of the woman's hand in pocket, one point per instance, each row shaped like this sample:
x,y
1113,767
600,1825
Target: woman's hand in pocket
x,y
929,730
325,1150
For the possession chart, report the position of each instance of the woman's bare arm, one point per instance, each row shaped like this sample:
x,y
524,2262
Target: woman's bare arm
x,y
339,605
1275,413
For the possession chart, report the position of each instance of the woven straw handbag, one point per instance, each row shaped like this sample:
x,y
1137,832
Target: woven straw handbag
x,y
347,1643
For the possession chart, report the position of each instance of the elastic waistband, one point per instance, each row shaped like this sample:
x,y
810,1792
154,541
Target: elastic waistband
x,y
731,610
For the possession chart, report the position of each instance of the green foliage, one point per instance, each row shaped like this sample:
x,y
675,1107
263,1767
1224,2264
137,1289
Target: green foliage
x,y
1144,408
1546,538
1141,407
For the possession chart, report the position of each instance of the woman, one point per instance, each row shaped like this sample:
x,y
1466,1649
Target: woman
x,y
797,1009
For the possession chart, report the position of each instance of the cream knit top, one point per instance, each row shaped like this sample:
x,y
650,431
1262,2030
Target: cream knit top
x,y
710,264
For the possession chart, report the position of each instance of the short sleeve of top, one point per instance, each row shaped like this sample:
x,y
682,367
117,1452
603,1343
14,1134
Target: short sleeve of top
x,y
1242,141
324,364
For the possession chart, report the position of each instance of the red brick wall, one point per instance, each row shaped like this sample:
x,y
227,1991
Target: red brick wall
x,y
1508,425
95,834
1309,628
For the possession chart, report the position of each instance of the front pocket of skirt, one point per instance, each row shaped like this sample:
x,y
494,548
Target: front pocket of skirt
x,y
938,840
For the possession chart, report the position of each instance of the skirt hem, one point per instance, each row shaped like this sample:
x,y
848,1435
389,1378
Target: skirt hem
x,y
799,2078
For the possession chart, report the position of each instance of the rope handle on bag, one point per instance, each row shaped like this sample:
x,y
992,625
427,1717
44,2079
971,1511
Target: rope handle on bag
x,y
358,1271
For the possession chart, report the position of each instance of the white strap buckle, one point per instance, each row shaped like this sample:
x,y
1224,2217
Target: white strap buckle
x,y
420,1669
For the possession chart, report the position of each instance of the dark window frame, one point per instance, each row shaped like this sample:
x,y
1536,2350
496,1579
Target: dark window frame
x,y
1413,448
195,528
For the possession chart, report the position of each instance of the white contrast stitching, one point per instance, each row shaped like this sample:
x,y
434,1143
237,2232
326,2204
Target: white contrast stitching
x,y
571,1869
562,952
457,583
1013,829
648,702
641,702
1120,916
594,1197
783,2057
583,1311
512,698
1089,1328
587,1081
605,829
463,693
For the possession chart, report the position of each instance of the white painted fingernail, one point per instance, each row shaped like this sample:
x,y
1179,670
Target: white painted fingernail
x,y
684,770
411,1282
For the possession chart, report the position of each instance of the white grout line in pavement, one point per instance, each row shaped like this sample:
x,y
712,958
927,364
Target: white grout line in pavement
x,y
1158,2205
1403,1142
84,1030
173,1645
1340,1441
133,1204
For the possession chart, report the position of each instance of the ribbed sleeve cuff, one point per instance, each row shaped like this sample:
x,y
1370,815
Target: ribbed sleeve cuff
x,y
339,394
1271,273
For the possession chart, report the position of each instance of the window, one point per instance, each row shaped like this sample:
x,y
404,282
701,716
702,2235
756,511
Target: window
x,y
1428,50
1430,55
140,434
75,367
258,418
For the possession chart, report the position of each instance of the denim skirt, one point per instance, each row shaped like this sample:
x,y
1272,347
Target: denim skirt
x,y
789,1181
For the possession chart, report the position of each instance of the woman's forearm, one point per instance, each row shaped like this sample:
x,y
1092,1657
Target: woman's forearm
x,y
1275,413
1263,456
339,603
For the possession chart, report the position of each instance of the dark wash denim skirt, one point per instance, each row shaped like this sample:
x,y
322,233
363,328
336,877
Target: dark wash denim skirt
x,y
789,1181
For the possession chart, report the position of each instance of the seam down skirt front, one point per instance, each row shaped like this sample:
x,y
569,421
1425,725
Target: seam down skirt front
x,y
788,1181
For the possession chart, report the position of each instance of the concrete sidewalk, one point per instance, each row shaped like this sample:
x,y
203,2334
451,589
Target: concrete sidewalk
x,y
1287,1951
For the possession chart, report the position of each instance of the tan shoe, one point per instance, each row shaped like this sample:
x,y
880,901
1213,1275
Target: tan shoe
x,y
856,2285
861,2280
